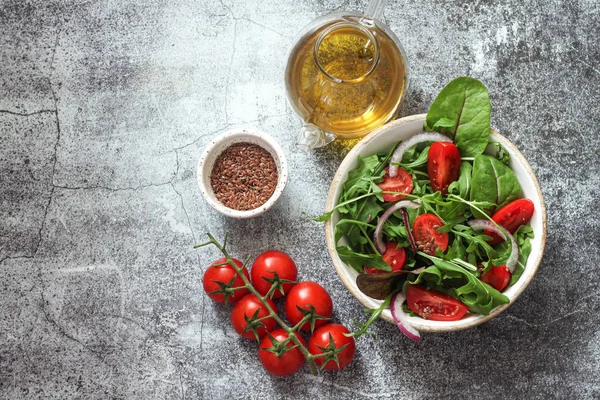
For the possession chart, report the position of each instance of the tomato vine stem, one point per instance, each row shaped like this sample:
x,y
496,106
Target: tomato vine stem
x,y
263,299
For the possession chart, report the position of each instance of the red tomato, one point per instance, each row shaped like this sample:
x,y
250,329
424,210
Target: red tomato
x,y
443,165
269,263
402,182
288,363
225,274
394,257
304,295
426,235
322,339
497,277
511,217
247,306
434,305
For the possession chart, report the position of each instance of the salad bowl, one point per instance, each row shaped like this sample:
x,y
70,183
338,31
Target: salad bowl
x,y
380,141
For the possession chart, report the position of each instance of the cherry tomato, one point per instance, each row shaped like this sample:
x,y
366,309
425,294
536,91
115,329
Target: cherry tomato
x,y
434,305
511,217
288,363
322,339
497,277
426,235
394,257
269,263
402,182
443,165
304,295
247,306
224,274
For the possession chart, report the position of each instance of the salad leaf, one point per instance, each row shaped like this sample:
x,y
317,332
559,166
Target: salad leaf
x,y
462,111
493,182
523,236
359,260
480,297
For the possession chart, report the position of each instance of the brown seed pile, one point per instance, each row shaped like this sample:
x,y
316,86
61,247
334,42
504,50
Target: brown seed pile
x,y
244,176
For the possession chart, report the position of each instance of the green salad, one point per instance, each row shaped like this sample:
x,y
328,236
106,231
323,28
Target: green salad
x,y
435,221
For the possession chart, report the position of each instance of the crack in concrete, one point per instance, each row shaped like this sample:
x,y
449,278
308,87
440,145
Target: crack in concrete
x,y
230,11
230,71
198,257
27,114
59,328
113,189
557,319
228,125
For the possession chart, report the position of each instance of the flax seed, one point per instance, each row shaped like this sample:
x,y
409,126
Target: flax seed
x,y
244,176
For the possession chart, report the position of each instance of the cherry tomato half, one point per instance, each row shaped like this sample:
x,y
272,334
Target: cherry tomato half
x,y
426,235
269,263
304,295
511,217
394,257
402,182
224,274
497,277
323,338
289,363
247,306
434,305
443,165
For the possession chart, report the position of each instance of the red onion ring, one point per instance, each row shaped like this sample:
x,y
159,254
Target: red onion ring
x,y
377,236
400,317
410,142
483,224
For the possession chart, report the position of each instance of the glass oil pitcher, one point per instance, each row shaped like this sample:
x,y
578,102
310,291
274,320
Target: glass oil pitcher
x,y
345,76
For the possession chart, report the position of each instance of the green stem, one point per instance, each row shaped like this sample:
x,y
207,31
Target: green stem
x,y
263,299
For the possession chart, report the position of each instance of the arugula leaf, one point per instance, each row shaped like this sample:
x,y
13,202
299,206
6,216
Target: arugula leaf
x,y
359,260
462,111
493,182
523,236
480,297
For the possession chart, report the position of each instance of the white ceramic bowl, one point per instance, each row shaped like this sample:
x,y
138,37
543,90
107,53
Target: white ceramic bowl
x,y
222,142
381,140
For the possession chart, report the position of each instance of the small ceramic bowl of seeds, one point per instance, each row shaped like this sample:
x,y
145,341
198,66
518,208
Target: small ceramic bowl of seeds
x,y
242,173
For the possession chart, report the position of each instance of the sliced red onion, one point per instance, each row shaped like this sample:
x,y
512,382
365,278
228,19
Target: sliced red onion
x,y
411,239
410,142
400,317
377,236
483,224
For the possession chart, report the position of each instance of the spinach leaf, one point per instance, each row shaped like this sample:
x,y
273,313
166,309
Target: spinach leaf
x,y
462,111
480,297
493,182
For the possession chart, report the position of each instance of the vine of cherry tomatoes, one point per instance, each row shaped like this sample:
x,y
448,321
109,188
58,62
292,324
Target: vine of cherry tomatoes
x,y
308,307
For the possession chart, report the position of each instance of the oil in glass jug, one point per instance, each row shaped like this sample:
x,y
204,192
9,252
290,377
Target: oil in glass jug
x,y
346,76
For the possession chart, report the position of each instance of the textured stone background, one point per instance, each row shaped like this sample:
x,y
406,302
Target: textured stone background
x,y
105,107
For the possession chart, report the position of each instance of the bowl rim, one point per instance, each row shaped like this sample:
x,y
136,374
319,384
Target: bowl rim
x,y
222,142
341,268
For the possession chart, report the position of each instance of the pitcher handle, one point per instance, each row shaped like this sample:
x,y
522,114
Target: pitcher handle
x,y
375,9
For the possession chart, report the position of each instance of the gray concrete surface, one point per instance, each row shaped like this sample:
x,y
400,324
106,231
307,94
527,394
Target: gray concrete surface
x,y
105,107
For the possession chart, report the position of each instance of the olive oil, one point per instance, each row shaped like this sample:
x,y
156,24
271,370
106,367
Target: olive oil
x,y
350,83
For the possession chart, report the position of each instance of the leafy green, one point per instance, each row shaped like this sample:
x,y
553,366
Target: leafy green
x,y
493,182
523,236
480,297
462,111
359,260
